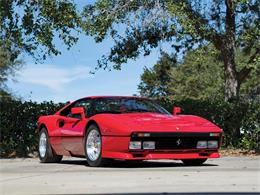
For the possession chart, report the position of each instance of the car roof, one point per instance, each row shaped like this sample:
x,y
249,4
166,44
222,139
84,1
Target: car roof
x,y
113,96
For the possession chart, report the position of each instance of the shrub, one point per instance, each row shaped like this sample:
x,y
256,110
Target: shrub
x,y
19,123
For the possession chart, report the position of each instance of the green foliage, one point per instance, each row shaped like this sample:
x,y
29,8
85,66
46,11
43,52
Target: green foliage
x,y
200,76
155,81
31,26
19,123
7,68
250,88
182,23
250,126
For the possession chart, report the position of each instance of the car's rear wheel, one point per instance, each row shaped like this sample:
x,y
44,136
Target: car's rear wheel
x,y
194,162
93,147
46,153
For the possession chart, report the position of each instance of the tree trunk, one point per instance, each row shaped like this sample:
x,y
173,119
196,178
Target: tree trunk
x,y
231,80
232,84
228,53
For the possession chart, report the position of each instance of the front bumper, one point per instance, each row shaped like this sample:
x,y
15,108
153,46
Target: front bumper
x,y
118,147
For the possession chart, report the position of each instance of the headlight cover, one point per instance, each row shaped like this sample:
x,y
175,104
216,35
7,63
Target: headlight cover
x,y
201,144
213,144
149,145
135,145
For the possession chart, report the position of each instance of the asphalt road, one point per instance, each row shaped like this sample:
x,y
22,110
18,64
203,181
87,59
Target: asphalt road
x,y
227,175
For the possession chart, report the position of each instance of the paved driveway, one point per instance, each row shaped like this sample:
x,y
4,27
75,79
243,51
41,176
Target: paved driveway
x,y
227,175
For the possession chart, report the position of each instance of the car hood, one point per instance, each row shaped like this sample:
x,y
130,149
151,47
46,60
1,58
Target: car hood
x,y
153,122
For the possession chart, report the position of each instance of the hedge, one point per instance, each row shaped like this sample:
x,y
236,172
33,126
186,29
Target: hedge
x,y
18,122
18,134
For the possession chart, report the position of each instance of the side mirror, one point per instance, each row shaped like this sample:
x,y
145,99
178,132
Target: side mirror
x,y
78,110
176,110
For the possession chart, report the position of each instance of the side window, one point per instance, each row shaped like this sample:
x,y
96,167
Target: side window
x,y
66,111
86,104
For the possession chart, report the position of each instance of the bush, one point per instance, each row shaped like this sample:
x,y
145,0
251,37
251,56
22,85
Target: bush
x,y
239,120
19,123
250,127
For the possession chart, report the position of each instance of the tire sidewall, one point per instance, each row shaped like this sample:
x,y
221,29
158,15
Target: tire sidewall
x,y
48,151
97,162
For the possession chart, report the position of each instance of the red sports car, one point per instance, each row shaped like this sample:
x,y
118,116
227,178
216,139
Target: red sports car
x,y
127,128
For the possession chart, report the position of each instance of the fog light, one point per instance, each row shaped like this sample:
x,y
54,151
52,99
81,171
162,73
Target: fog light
x,y
212,144
149,145
134,145
201,144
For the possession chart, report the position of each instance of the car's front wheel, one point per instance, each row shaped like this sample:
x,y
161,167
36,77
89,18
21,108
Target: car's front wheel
x,y
46,153
93,147
194,162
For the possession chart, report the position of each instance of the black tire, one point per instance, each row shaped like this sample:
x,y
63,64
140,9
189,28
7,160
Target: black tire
x,y
99,162
49,156
194,162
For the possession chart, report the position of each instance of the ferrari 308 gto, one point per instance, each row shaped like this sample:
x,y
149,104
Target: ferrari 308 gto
x,y
102,128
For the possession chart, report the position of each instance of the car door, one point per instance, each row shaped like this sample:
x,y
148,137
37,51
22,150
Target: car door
x,y
73,128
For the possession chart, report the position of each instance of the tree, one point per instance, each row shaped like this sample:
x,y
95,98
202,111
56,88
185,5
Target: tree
x,y
31,26
155,81
186,24
199,77
7,67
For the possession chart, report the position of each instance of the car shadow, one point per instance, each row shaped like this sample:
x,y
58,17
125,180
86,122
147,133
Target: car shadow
x,y
130,164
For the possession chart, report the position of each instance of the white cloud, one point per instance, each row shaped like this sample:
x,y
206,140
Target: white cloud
x,y
53,77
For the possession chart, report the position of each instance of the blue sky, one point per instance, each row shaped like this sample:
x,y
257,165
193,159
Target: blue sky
x,y
66,77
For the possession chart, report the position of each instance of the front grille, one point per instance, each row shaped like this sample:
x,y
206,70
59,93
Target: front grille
x,y
175,141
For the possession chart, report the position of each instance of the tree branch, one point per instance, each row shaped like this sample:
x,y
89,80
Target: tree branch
x,y
243,74
254,56
199,21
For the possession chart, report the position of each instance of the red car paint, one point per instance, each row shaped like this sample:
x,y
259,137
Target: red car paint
x,y
117,130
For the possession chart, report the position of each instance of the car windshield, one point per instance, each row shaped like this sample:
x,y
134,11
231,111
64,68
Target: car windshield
x,y
127,105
